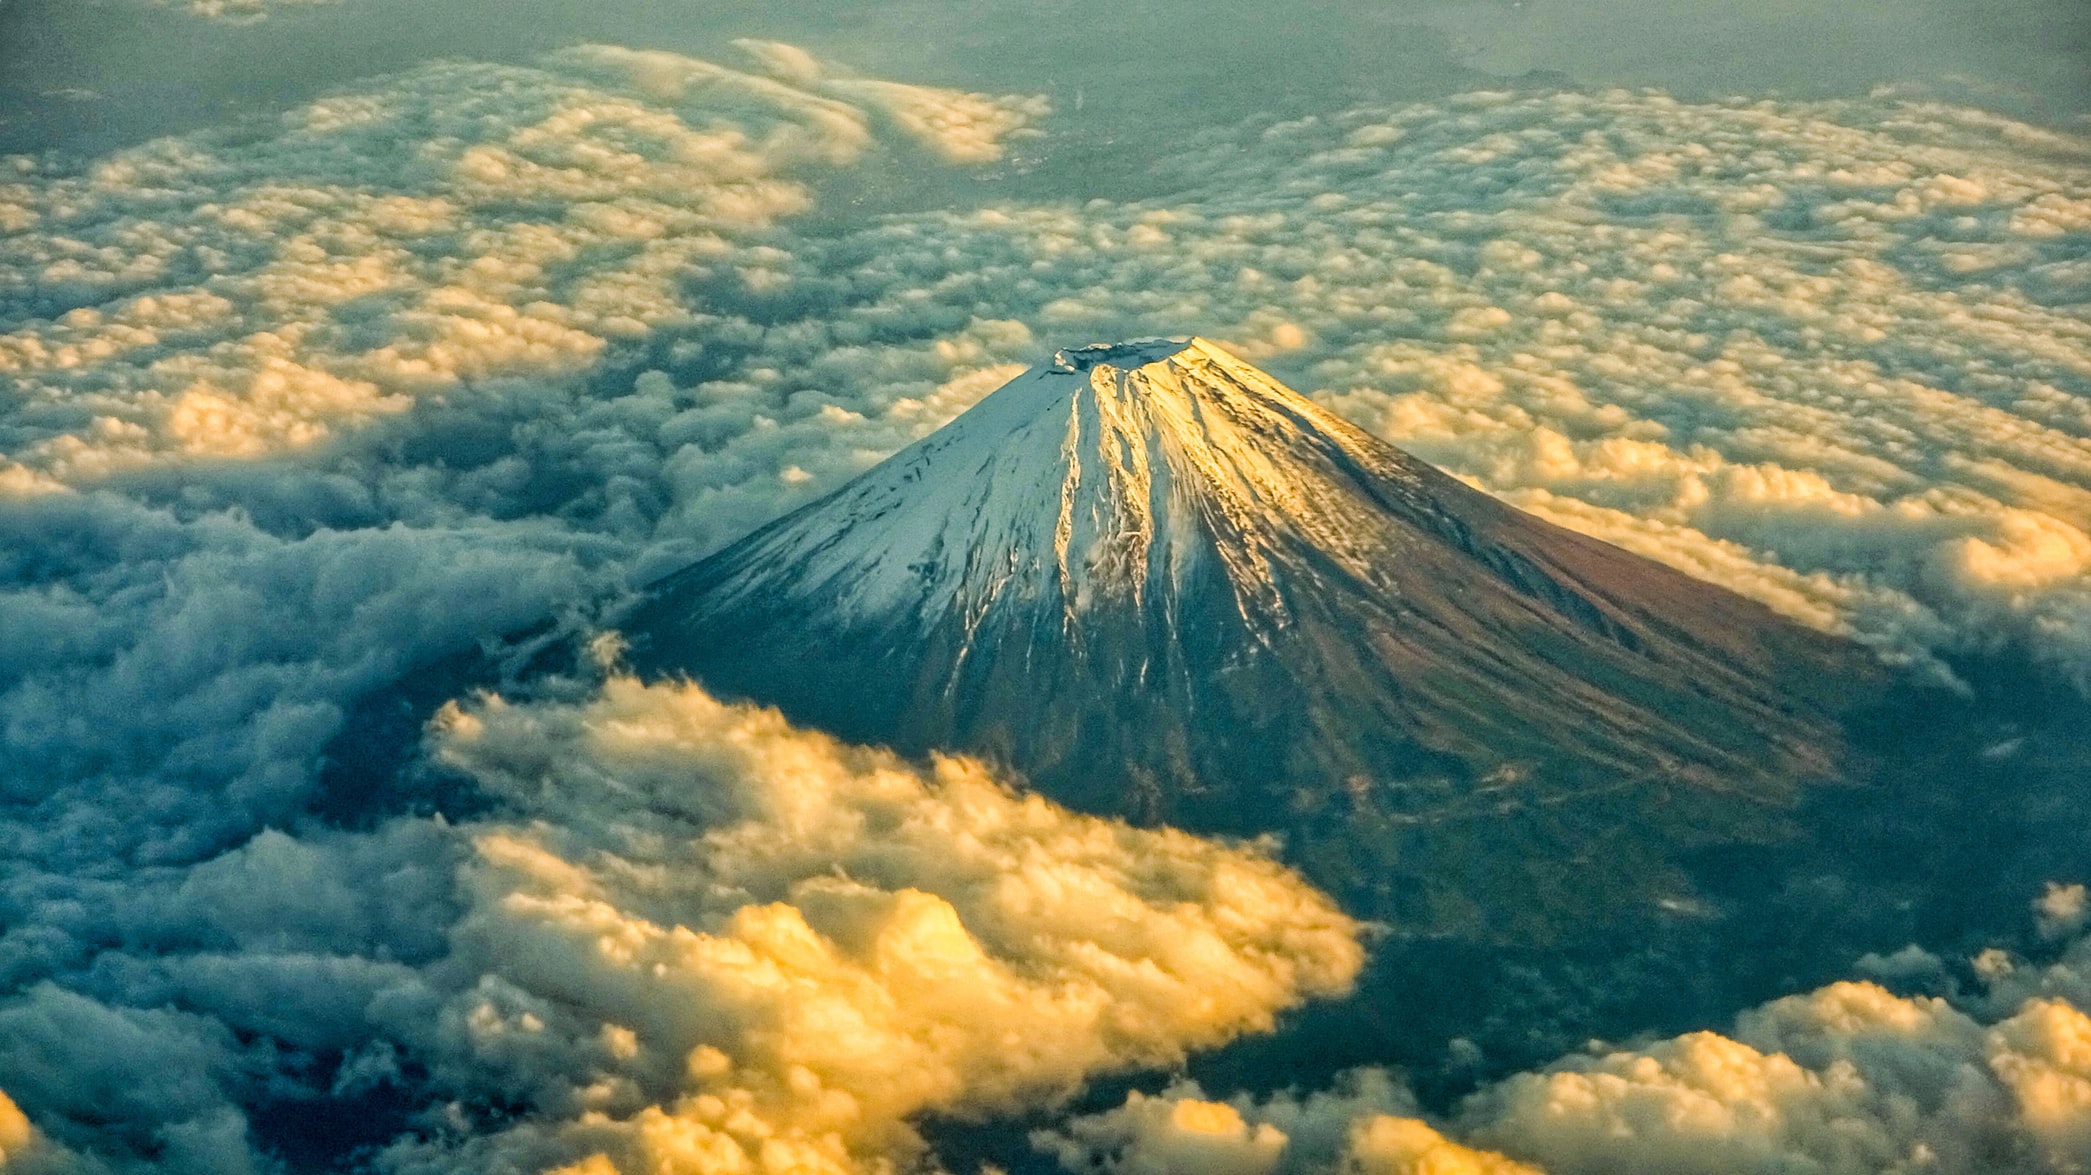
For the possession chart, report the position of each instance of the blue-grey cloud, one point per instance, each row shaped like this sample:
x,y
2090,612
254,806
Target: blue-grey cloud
x,y
294,410
1849,1079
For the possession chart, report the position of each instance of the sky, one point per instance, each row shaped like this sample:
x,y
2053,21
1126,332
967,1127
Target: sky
x,y
341,337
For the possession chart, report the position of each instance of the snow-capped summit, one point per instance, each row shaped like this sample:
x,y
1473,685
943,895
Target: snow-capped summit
x,y
1112,472
1131,353
1160,583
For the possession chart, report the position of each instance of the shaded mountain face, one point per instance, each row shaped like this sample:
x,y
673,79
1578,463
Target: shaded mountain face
x,y
1160,584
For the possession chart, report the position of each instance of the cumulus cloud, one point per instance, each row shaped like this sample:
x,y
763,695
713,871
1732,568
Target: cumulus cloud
x,y
263,978
2061,911
1849,1079
293,414
215,296
1178,1131
721,941
293,411
692,939
1823,353
1364,1127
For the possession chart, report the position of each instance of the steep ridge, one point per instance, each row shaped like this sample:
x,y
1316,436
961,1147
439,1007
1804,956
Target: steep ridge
x,y
1161,584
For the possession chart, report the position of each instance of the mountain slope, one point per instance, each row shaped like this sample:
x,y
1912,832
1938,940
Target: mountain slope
x,y
1161,584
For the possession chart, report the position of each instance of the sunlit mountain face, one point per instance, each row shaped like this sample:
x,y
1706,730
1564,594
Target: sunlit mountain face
x,y
1157,584
1140,588
1162,585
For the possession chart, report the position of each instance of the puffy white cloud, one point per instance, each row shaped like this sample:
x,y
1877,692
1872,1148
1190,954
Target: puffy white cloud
x,y
1850,1079
204,993
1740,337
1365,1126
2061,911
290,412
216,296
79,1060
1176,1132
720,940
1387,1145
695,938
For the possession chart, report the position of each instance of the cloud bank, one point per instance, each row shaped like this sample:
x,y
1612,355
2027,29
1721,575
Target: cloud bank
x,y
1849,1079
214,296
724,944
695,940
292,411
1827,354
1831,355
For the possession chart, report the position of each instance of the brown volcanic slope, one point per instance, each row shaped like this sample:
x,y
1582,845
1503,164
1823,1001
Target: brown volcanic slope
x,y
1161,584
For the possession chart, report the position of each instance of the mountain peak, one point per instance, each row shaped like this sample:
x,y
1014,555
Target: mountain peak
x,y
1163,584
1131,353
1114,470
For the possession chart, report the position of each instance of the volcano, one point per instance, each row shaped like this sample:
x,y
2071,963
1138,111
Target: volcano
x,y
1159,584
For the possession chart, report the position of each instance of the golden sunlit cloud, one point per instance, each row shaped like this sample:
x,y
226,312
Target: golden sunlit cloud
x,y
721,940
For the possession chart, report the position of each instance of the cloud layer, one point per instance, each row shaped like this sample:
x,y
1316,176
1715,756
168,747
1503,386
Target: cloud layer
x,y
215,296
1825,354
1850,1079
1830,355
291,411
721,940
694,940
